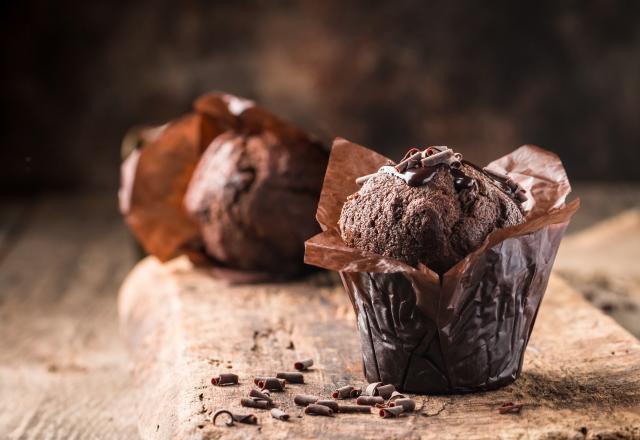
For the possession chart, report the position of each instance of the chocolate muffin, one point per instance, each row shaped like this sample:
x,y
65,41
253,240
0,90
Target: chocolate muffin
x,y
434,214
255,195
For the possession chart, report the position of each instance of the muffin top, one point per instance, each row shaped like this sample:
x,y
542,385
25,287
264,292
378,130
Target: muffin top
x,y
432,208
255,197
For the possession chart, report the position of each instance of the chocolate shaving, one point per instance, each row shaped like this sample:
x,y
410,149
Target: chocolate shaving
x,y
305,399
436,159
354,409
318,410
277,413
225,379
248,419
362,179
393,411
261,395
303,365
257,379
343,392
250,402
408,405
385,391
223,412
330,403
272,384
293,377
370,400
510,408
409,162
372,389
396,395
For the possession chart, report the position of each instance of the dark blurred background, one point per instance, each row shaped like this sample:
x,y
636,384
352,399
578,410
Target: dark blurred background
x,y
564,75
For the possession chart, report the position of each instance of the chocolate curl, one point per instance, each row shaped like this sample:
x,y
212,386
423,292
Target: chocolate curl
x,y
303,365
272,384
220,413
329,403
255,403
354,409
257,379
261,395
436,159
510,408
305,399
385,391
396,395
390,412
370,400
248,419
409,162
293,377
372,389
277,413
410,153
343,392
225,379
318,410
408,405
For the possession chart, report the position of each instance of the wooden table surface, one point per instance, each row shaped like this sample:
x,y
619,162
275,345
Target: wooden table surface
x,y
64,368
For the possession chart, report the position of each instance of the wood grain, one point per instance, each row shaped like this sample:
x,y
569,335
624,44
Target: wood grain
x,y
581,377
603,263
64,372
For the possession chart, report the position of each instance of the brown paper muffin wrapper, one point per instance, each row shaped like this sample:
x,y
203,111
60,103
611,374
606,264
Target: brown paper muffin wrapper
x,y
158,167
466,330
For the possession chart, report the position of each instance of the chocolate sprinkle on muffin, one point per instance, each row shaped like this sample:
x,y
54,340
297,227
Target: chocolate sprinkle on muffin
x,y
436,223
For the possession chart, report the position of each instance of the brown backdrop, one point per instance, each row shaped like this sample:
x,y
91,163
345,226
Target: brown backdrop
x,y
565,75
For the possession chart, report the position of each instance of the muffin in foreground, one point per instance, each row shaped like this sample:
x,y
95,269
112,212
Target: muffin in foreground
x,y
455,320
433,208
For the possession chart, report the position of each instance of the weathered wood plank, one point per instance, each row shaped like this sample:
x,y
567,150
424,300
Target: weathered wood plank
x,y
581,375
603,263
64,373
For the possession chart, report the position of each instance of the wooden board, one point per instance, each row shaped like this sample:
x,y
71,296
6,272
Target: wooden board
x,y
603,262
64,371
581,375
